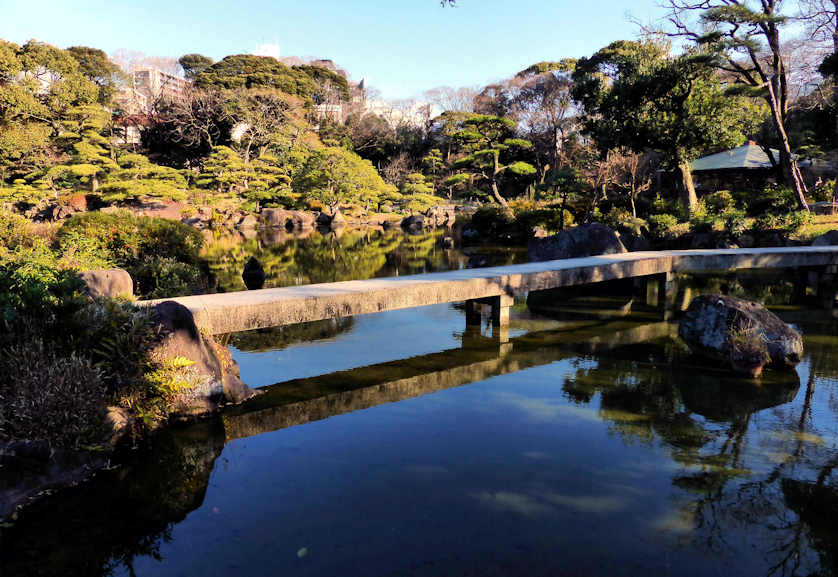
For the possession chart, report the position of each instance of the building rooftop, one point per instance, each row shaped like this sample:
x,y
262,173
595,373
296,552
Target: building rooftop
x,y
747,157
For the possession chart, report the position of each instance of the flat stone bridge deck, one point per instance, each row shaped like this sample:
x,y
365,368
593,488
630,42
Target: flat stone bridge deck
x,y
494,286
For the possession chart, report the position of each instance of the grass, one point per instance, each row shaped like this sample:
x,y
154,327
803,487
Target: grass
x,y
820,224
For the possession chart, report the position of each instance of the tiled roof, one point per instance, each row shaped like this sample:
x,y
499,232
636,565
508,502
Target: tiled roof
x,y
749,156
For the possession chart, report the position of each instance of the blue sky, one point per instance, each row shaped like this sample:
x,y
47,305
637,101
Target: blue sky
x,y
402,47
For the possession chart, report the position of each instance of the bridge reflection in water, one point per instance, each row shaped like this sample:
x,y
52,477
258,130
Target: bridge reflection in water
x,y
127,513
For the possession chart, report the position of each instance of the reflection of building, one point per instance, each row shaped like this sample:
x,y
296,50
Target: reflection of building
x,y
156,84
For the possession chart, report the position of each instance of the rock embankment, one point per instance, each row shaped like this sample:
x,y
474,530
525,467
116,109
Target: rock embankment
x,y
743,335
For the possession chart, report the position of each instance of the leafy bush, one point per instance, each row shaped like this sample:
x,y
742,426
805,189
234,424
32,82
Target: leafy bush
x,y
549,219
719,202
163,277
161,255
824,191
33,287
787,223
14,230
735,222
661,224
488,220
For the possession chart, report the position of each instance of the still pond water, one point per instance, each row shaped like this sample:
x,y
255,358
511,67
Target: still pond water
x,y
398,444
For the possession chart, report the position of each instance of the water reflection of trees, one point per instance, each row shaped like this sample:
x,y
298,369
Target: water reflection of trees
x,y
123,514
329,257
733,487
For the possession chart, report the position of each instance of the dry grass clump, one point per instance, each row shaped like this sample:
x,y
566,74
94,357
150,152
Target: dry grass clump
x,y
44,395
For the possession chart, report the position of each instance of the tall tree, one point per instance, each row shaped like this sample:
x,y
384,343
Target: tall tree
x,y
491,150
544,108
746,34
193,64
95,65
636,95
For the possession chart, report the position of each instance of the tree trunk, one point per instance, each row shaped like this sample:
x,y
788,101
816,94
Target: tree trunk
x,y
94,183
496,193
689,200
791,174
496,170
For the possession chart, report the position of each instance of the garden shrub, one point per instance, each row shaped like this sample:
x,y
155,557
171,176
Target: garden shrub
x,y
719,202
15,230
164,277
548,218
661,224
33,287
161,255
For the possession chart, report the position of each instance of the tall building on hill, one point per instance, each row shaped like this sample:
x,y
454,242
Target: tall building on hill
x,y
156,84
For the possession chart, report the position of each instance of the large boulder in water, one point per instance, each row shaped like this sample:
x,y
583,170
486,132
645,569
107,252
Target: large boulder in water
x,y
215,374
253,274
829,238
331,221
581,241
110,283
742,334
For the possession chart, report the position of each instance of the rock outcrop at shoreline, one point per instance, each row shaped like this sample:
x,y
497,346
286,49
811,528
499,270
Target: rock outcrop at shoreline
x,y
744,335
290,220
577,242
218,379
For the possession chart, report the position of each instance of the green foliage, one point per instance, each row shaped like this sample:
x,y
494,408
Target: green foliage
x,y
194,64
161,255
14,231
551,219
637,95
415,183
336,175
719,202
490,149
164,277
96,67
34,287
136,178
661,224
249,71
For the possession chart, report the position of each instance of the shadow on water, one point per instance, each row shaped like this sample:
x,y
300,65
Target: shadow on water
x,y
748,462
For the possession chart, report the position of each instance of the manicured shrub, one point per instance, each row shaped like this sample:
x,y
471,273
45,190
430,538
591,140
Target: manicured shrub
x,y
719,202
161,255
661,224
164,277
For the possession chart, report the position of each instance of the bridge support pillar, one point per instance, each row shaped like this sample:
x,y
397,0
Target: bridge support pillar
x,y
499,305
661,293
827,286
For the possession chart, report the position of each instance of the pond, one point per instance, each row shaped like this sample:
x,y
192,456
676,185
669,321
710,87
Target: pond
x,y
346,254
590,443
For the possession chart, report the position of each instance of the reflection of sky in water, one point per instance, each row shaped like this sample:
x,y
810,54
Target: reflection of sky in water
x,y
580,464
372,339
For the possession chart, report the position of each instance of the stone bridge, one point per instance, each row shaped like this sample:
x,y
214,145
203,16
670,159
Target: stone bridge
x,y
495,287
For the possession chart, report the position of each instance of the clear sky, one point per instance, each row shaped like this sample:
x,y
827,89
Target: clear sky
x,y
402,47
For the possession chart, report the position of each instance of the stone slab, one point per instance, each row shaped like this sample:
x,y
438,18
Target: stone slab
x,y
247,310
